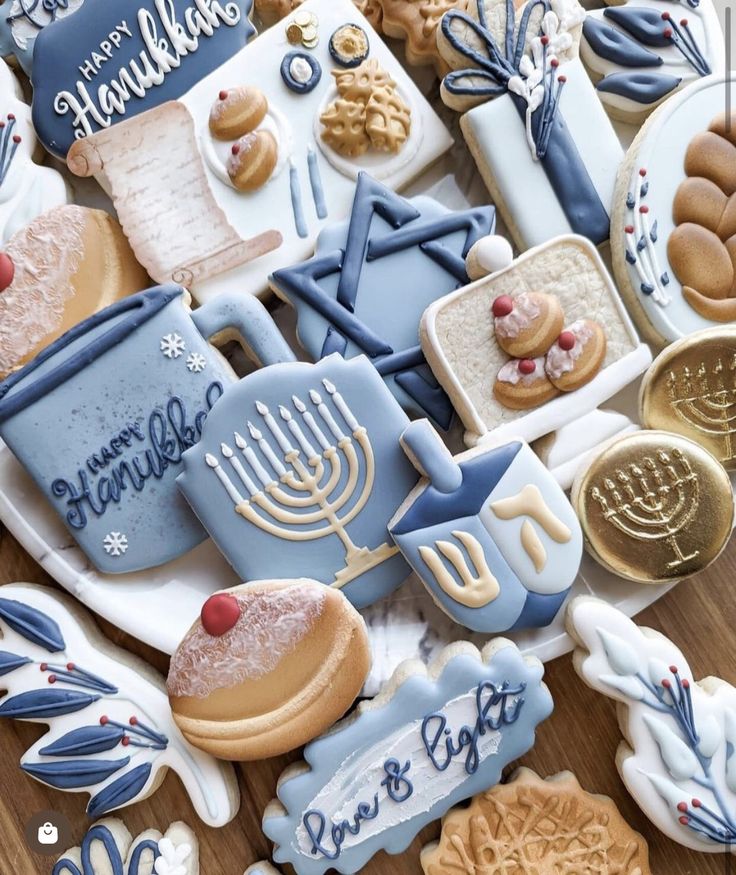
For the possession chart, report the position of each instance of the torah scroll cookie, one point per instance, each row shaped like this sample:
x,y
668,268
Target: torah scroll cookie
x,y
267,667
542,826
643,503
108,848
679,735
64,266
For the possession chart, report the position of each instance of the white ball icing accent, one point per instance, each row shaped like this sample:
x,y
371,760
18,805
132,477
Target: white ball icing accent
x,y
300,70
520,318
489,255
562,361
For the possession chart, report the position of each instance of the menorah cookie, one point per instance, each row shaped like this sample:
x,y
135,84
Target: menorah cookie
x,y
365,786
640,503
26,188
108,62
251,231
691,389
541,826
489,532
639,53
677,756
549,294
110,730
533,122
672,232
267,667
21,21
61,268
308,457
108,848
352,297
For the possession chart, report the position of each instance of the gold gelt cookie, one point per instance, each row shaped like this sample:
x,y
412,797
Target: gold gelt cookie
x,y
654,507
267,667
544,827
691,390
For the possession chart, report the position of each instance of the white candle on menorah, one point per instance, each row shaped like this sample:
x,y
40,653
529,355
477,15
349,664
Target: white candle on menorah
x,y
306,495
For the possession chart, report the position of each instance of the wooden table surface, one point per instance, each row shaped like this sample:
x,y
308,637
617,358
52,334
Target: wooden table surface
x,y
581,735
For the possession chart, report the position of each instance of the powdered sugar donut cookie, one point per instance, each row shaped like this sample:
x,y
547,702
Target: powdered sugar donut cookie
x,y
267,667
522,384
527,324
576,356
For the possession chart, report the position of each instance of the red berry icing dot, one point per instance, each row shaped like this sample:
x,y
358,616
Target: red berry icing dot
x,y
502,306
235,149
125,741
7,271
667,33
642,171
133,721
566,341
562,79
682,807
697,803
223,95
527,367
220,613
104,720
629,229
666,16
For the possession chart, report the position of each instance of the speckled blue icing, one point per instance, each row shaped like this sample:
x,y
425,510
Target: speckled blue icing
x,y
101,417
471,558
297,473
380,777
371,279
112,60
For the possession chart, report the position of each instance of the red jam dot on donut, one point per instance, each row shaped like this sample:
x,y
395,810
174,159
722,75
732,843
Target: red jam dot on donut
x,y
527,367
566,341
235,149
220,613
223,95
7,271
502,306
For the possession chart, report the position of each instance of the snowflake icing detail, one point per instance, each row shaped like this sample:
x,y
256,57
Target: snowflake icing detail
x,y
172,345
115,544
196,362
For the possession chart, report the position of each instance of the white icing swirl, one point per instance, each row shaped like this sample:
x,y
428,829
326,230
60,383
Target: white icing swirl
x,y
300,70
510,373
561,361
520,318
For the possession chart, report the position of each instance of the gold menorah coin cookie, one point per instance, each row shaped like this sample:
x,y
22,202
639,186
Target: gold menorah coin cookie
x,y
654,507
691,390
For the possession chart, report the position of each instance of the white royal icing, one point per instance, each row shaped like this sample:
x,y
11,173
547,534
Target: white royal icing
x,y
561,361
300,70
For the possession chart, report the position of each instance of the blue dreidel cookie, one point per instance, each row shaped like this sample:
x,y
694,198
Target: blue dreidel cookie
x,y
489,532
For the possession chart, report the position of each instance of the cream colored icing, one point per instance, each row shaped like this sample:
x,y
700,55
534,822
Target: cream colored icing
x,y
479,585
530,502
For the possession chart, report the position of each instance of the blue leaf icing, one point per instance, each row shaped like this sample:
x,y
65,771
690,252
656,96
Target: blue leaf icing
x,y
642,22
84,741
642,87
41,704
75,774
615,46
100,835
120,791
33,625
10,661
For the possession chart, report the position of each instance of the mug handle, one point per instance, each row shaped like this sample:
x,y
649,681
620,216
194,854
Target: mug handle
x,y
242,317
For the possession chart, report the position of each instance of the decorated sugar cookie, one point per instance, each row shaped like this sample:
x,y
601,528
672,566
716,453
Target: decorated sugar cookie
x,y
641,502
21,21
540,826
300,468
672,227
489,532
108,62
533,122
640,52
26,188
262,868
352,297
432,738
678,757
108,847
271,11
267,667
65,265
268,186
417,23
110,730
557,309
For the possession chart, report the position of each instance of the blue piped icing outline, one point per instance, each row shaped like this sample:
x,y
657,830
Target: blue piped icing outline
x,y
102,834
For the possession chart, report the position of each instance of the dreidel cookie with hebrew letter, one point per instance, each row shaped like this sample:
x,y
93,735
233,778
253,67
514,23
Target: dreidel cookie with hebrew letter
x,y
489,532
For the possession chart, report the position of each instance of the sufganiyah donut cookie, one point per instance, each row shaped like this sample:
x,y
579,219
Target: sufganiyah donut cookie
x,y
576,356
237,111
252,160
523,383
267,667
527,324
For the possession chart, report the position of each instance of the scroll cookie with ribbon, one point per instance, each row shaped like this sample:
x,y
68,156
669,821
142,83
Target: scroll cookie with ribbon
x,y
533,121
673,230
352,296
535,345
299,470
108,848
640,52
267,667
432,738
489,532
110,731
541,826
677,758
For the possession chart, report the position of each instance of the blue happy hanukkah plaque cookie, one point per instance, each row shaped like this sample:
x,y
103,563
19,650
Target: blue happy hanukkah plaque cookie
x,y
111,61
21,21
371,279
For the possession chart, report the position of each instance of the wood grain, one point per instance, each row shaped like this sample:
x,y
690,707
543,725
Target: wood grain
x,y
582,735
